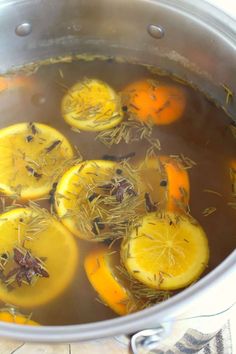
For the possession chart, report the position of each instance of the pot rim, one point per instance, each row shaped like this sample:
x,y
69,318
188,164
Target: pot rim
x,y
166,311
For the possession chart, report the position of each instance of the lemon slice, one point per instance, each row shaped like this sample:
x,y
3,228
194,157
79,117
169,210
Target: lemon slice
x,y
6,316
97,199
99,272
92,105
167,252
46,240
32,155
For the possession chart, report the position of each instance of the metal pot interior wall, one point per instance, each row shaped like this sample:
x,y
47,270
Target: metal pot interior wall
x,y
195,41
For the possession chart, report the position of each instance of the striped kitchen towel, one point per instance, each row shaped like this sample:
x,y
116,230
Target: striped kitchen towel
x,y
196,342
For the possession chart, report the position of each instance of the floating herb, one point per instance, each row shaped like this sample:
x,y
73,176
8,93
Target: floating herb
x,y
185,162
112,197
109,242
29,138
32,127
92,197
63,165
130,130
97,225
3,204
140,296
52,196
4,257
164,106
118,158
163,183
33,172
119,171
119,187
150,206
53,146
61,73
232,204
209,211
211,191
229,94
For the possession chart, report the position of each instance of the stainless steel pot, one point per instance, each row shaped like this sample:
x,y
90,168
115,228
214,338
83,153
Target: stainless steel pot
x,y
189,38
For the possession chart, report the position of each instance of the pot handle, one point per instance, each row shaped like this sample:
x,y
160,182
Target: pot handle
x,y
147,339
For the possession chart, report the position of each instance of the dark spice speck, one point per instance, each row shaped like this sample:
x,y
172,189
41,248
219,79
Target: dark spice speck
x,y
119,171
163,183
29,138
92,197
97,225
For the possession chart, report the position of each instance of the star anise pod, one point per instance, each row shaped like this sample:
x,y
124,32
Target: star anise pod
x,y
120,187
27,268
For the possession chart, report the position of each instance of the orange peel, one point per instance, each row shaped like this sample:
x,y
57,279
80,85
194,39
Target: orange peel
x,y
99,272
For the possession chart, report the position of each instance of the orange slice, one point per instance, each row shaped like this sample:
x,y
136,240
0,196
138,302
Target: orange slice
x,y
167,252
86,199
178,184
160,103
101,276
92,105
15,82
166,181
6,316
32,154
49,243
71,195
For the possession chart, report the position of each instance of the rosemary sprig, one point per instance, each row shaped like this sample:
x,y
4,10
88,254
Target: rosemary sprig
x,y
229,94
140,296
106,206
184,161
130,130
211,191
208,211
